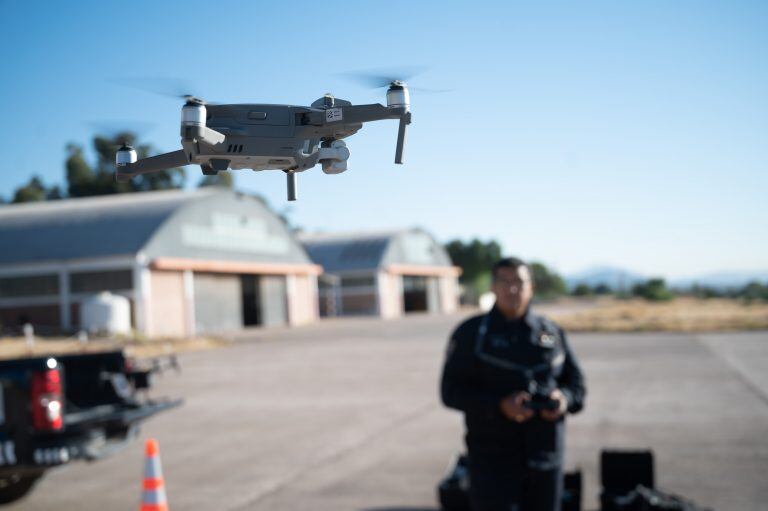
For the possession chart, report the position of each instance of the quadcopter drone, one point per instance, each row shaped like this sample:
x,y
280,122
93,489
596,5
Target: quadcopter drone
x,y
263,137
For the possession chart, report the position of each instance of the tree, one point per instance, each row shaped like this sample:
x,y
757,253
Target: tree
x,y
754,291
548,284
79,174
654,290
603,289
54,193
703,292
582,290
475,258
33,191
84,180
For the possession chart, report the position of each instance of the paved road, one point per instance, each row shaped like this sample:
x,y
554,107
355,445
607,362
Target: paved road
x,y
344,416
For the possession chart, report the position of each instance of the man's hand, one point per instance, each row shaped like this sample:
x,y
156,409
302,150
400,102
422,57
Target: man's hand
x,y
513,407
553,415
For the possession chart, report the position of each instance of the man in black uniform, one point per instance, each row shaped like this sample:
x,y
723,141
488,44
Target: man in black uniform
x,y
514,376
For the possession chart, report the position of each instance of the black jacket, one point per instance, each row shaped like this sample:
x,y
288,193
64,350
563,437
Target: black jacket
x,y
489,357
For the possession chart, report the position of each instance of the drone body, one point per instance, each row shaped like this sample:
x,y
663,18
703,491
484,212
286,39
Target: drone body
x,y
262,137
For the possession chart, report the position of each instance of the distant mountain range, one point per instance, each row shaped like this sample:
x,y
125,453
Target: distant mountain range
x,y
620,278
723,280
615,278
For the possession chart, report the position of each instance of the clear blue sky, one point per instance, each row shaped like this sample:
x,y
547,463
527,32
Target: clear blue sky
x,y
577,133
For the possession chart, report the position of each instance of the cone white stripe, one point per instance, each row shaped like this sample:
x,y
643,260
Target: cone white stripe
x,y
152,468
153,497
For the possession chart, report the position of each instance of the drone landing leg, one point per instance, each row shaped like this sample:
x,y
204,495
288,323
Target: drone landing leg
x,y
291,175
400,141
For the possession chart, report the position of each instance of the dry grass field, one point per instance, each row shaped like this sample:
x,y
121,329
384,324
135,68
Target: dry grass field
x,y
678,315
15,347
575,315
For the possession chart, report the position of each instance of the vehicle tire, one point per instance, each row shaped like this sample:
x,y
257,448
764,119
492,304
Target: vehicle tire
x,y
15,486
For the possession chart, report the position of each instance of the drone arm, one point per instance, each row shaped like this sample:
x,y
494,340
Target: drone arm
x,y
367,113
152,164
375,112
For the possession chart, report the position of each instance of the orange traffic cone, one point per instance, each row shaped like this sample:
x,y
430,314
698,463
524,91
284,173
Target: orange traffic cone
x,y
153,495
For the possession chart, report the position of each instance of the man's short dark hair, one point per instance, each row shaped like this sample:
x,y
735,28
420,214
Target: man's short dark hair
x,y
508,262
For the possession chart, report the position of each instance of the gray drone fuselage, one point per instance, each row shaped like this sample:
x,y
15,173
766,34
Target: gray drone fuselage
x,y
265,136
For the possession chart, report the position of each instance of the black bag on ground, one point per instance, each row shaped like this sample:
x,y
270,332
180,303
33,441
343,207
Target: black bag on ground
x,y
648,499
627,479
621,472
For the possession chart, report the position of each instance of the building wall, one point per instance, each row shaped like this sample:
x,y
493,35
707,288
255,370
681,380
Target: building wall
x,y
358,293
221,236
359,304
204,227
443,294
216,302
168,308
33,291
390,295
42,316
302,299
411,271
449,294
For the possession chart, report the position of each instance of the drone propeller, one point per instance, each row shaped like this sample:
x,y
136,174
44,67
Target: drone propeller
x,y
194,100
376,79
116,128
389,78
169,87
121,133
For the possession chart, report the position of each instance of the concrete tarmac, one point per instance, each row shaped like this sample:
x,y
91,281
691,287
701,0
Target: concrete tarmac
x,y
345,415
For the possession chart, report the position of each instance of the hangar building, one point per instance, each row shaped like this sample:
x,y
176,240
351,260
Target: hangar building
x,y
386,274
190,262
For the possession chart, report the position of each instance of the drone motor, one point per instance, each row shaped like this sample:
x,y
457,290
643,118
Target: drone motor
x,y
193,128
125,155
398,96
192,116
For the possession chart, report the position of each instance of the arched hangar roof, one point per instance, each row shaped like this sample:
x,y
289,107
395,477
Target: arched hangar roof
x,y
208,223
358,251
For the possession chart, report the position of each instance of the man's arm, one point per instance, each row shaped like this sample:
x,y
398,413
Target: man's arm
x,y
571,380
459,386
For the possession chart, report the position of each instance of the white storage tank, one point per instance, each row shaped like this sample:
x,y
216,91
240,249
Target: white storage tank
x,y
106,313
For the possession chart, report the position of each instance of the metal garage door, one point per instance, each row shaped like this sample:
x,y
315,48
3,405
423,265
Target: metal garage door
x,y
218,302
433,294
274,300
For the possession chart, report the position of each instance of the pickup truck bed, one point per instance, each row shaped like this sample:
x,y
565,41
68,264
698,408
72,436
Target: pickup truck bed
x,y
54,410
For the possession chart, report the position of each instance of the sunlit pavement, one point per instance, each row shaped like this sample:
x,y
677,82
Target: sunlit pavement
x,y
344,415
